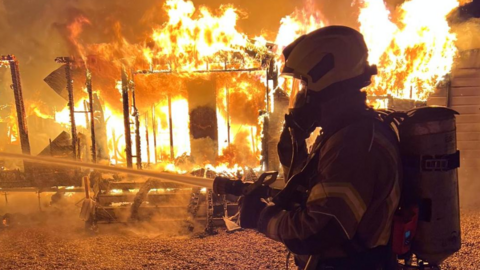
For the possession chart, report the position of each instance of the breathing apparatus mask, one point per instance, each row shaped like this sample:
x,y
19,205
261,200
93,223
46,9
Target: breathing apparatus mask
x,y
302,114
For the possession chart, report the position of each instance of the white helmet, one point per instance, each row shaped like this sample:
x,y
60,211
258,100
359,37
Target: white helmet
x,y
327,57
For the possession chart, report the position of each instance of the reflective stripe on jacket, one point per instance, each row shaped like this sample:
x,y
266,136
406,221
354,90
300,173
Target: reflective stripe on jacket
x,y
352,196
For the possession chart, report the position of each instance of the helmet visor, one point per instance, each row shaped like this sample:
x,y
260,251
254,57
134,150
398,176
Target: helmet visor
x,y
298,96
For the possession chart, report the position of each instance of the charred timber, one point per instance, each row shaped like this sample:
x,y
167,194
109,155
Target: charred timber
x,y
154,130
170,125
138,143
92,116
71,102
147,139
126,119
20,107
140,197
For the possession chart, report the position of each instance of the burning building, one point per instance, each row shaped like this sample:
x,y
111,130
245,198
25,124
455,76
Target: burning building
x,y
198,96
186,83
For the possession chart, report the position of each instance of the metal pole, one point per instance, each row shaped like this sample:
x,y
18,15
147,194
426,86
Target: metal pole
x,y
154,128
126,119
19,104
92,116
170,125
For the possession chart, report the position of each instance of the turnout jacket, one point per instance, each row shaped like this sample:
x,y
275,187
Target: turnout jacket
x,y
352,193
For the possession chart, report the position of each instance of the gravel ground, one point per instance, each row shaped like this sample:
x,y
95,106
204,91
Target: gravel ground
x,y
66,246
469,255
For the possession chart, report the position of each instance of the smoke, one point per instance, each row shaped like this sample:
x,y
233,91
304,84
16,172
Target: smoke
x,y
468,34
60,211
46,208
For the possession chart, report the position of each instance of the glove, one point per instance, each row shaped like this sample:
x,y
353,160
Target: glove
x,y
250,207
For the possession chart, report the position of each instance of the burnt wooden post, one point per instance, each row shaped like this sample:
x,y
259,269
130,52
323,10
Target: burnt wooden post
x,y
71,102
170,125
154,128
147,139
126,119
136,115
92,115
19,104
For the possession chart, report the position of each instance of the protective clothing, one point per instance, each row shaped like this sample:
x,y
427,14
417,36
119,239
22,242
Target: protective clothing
x,y
353,185
350,182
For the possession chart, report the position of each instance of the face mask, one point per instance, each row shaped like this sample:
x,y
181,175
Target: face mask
x,y
298,97
302,114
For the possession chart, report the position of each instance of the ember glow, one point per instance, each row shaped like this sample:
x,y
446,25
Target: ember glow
x,y
413,50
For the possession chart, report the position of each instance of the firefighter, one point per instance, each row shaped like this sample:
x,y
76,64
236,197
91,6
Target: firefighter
x,y
350,179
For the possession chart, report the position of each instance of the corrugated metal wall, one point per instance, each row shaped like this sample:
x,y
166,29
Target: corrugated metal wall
x,y
462,94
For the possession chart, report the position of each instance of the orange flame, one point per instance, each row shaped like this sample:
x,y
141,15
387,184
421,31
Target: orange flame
x,y
194,39
75,29
414,54
412,48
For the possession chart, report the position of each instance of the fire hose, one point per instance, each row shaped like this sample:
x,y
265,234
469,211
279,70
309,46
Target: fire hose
x,y
171,177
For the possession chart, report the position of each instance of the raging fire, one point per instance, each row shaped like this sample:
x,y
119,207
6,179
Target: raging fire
x,y
413,50
413,54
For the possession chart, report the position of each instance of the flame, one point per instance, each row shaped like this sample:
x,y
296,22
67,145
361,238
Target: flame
x,y
372,29
115,132
63,117
75,29
180,128
300,22
13,128
415,53
38,109
243,146
194,39
413,50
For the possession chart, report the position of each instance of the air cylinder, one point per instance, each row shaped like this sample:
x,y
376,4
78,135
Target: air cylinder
x,y
429,147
